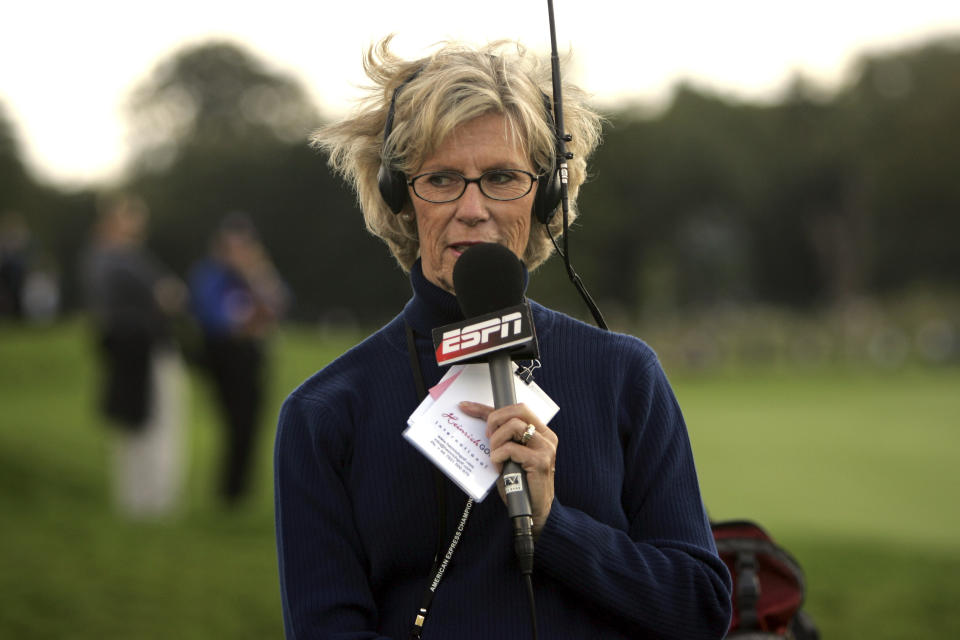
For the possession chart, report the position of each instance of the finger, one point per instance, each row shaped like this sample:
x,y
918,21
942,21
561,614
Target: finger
x,y
518,423
495,418
516,427
518,414
510,431
498,417
534,461
476,410
518,410
546,433
527,435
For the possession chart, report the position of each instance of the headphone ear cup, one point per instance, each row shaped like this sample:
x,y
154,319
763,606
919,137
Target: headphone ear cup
x,y
547,199
393,187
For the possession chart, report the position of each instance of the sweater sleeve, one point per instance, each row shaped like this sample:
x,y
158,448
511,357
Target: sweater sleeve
x,y
661,577
324,589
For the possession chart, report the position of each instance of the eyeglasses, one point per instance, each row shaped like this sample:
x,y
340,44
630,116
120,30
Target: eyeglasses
x,y
439,187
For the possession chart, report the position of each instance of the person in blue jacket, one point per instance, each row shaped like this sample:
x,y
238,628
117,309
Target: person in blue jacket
x,y
445,152
237,296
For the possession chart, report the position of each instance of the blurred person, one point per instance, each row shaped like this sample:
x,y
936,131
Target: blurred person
x,y
133,298
14,255
237,297
41,291
447,151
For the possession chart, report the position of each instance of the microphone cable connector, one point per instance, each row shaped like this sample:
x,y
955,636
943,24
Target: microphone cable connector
x,y
523,543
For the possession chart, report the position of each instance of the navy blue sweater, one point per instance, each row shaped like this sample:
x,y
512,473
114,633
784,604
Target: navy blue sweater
x,y
626,552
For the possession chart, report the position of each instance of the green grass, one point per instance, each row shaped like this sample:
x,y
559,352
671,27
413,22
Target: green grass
x,y
855,472
69,566
852,470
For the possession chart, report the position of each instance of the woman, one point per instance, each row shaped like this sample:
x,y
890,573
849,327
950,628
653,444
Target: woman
x,y
623,546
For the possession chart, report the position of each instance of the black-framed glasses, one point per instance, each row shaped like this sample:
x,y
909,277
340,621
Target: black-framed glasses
x,y
439,187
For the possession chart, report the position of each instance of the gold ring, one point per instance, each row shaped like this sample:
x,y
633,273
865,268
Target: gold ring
x,y
528,434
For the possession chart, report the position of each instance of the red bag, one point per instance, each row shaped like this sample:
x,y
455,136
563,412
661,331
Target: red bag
x,y
768,584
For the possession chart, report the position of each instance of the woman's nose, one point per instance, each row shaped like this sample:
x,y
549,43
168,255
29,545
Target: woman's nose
x,y
472,205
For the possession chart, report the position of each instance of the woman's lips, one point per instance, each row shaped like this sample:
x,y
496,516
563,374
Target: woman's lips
x,y
460,247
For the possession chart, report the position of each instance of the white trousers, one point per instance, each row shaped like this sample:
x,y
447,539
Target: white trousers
x,y
148,462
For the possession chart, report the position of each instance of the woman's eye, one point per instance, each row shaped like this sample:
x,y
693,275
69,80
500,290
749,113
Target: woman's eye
x,y
500,178
441,180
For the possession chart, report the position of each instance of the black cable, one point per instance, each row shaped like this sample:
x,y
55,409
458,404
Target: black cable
x,y
533,608
577,282
561,139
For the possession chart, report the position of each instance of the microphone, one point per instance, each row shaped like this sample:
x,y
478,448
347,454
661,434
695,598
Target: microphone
x,y
488,279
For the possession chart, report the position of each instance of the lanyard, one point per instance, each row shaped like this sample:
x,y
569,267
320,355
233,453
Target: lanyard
x,y
441,560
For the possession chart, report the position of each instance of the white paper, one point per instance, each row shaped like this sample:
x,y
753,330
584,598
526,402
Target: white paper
x,y
457,443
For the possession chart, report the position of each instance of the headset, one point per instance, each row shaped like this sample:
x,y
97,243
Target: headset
x,y
393,182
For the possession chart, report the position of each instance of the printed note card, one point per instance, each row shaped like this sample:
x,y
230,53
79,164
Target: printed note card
x,y
457,443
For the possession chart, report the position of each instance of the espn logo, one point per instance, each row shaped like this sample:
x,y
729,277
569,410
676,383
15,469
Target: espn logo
x,y
477,336
480,333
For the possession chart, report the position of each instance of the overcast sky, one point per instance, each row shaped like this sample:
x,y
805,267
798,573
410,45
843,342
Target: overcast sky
x,y
66,67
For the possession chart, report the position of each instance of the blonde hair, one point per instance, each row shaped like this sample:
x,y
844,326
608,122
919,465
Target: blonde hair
x,y
453,85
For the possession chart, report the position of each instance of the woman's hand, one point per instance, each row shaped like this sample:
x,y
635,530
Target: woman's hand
x,y
537,456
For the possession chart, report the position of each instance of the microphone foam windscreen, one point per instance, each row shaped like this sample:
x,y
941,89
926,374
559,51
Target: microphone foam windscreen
x,y
488,277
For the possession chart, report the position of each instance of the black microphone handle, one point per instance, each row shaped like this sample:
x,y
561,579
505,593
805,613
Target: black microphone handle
x,y
518,502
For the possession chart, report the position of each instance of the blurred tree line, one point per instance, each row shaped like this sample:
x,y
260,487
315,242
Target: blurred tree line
x,y
807,202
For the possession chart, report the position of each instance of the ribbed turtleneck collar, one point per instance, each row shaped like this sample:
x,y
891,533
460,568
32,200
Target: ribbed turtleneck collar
x,y
431,306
